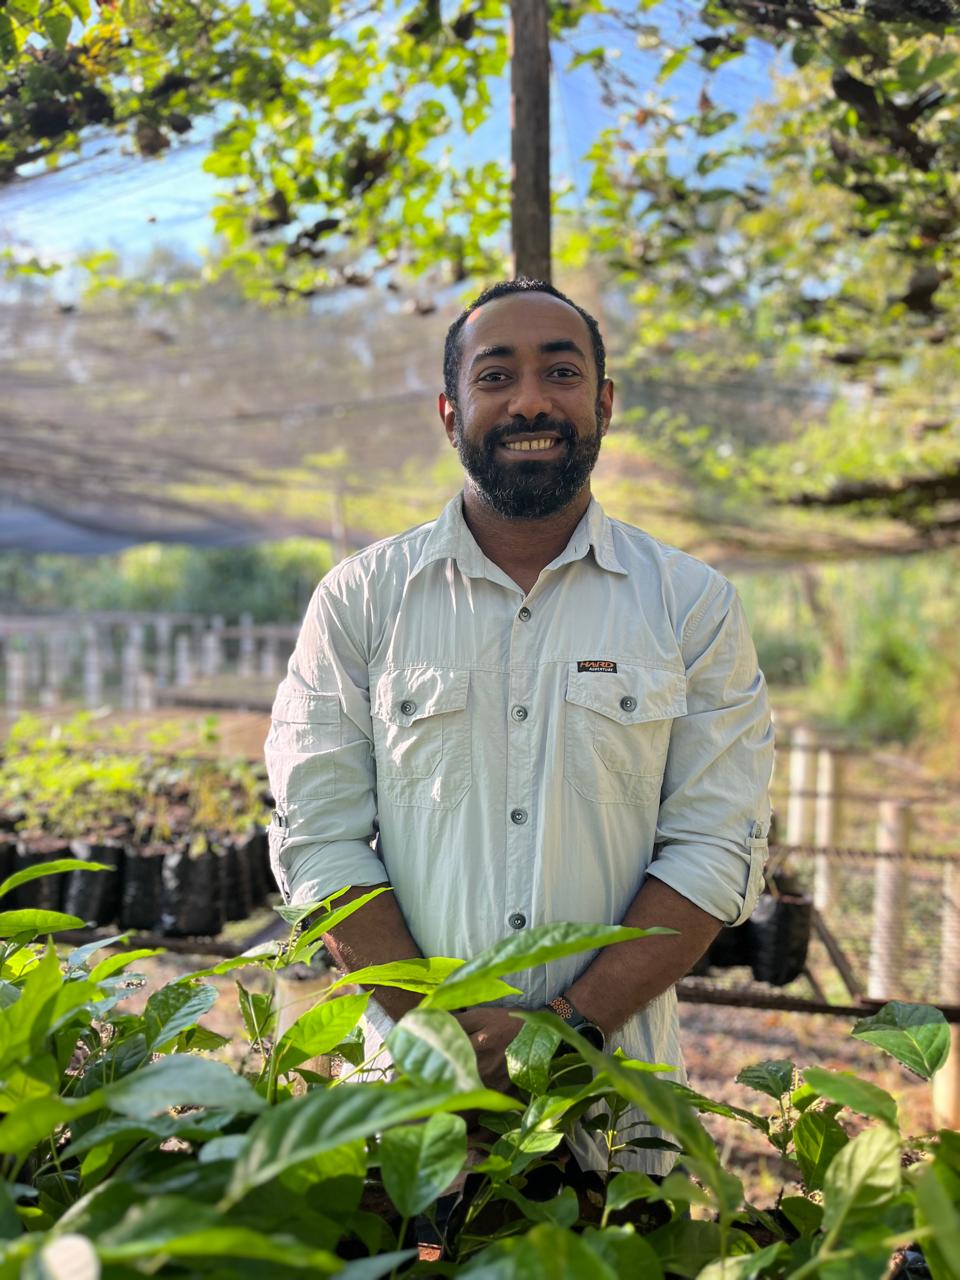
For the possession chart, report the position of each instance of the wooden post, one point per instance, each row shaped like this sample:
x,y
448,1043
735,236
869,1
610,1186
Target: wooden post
x,y
131,667
163,632
248,646
269,659
183,660
92,668
146,692
946,1083
530,137
889,895
210,653
800,801
16,682
826,825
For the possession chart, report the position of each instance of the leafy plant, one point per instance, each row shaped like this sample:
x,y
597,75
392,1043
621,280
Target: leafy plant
x,y
126,1140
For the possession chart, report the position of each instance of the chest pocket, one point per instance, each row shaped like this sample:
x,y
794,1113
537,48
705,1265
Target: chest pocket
x,y
421,730
617,731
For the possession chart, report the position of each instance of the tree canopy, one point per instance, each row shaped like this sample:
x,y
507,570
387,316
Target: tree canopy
x,y
813,244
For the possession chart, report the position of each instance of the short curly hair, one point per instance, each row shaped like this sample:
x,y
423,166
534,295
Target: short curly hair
x,y
452,347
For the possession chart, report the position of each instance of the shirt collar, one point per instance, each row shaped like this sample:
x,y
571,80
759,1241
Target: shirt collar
x,y
450,539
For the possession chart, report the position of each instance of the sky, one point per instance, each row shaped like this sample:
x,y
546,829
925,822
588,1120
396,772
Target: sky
x,y
110,198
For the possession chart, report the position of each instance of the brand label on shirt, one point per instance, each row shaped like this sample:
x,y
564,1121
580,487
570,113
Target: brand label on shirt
x,y
596,664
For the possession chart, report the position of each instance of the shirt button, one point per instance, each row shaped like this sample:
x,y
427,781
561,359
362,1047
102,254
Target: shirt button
x,y
517,920
519,713
628,703
407,708
524,614
518,816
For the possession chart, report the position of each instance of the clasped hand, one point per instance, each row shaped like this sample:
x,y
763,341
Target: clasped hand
x,y
491,1029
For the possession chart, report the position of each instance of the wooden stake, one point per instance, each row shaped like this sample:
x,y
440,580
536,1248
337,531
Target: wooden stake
x,y
890,882
826,825
530,137
800,802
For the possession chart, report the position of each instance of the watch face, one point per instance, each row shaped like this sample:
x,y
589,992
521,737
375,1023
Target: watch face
x,y
593,1036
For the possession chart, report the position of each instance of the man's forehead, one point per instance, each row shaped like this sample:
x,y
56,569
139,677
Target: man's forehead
x,y
539,317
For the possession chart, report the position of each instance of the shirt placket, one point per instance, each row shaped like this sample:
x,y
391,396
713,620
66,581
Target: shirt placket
x,y
522,817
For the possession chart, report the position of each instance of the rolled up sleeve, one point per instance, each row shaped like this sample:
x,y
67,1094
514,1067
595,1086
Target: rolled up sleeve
x,y
714,814
319,756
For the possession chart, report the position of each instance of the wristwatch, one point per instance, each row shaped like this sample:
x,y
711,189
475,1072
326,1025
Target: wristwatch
x,y
574,1019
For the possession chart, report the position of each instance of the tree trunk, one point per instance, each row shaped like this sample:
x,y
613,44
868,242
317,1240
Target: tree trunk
x,y
530,131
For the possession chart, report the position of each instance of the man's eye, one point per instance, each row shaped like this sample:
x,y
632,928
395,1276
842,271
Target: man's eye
x,y
565,371
492,375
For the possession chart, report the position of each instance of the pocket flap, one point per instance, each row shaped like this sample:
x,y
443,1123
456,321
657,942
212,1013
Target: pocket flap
x,y
296,706
631,694
412,693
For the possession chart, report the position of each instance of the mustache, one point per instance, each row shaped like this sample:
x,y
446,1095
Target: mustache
x,y
523,427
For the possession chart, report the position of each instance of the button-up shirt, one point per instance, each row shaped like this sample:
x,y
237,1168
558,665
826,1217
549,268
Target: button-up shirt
x,y
506,760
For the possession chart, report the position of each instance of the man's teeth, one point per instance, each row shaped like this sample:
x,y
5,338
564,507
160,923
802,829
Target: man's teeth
x,y
527,445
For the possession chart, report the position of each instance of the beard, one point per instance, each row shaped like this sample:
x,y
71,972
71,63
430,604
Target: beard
x,y
530,489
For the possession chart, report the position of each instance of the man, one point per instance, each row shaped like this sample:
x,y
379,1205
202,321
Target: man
x,y
546,714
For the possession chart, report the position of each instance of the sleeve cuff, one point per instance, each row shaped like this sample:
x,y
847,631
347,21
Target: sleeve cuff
x,y
723,883
308,872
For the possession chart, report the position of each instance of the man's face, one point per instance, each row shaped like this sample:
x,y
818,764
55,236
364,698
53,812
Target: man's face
x,y
529,418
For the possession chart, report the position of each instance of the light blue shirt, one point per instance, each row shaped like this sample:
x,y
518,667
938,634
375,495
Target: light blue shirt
x,y
527,758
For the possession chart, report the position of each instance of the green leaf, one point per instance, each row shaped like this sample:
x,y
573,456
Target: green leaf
x,y
182,1080
49,869
850,1091
57,27
36,922
702,1103
80,955
10,1224
301,1128
562,1210
746,1266
529,1056
432,1049
256,1009
816,1140
178,1227
418,1162
624,1188
659,1099
863,1175
915,1034
319,1030
173,1009
544,1251
624,1252
329,920
39,1119
936,1208
806,1216
540,945
418,975
110,965
253,958
672,64
686,1246
774,1078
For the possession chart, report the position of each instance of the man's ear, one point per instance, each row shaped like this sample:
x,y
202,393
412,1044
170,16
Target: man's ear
x,y
606,404
448,416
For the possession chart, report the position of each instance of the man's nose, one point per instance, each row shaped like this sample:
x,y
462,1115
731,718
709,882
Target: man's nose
x,y
530,398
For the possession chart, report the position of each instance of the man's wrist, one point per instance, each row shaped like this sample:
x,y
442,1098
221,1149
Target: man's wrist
x,y
565,1008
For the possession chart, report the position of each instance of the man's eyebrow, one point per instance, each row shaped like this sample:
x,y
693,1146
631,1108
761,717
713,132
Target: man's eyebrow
x,y
546,348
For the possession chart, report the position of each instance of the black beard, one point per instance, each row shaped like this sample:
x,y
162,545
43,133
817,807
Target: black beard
x,y
531,489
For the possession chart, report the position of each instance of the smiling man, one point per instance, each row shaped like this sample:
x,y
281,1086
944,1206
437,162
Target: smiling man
x,y
543,714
